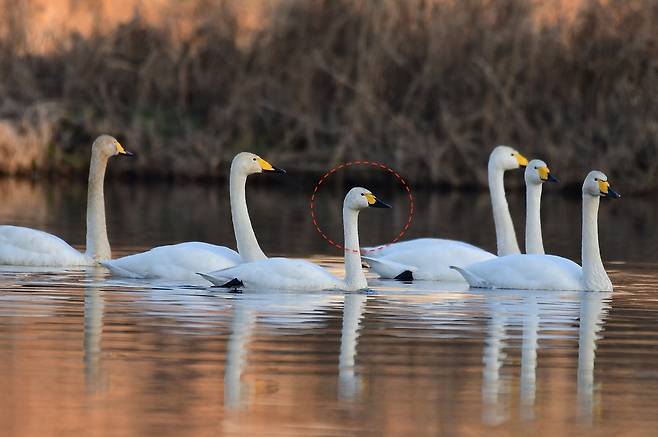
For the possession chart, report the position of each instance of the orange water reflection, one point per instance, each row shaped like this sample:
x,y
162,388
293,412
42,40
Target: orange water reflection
x,y
85,354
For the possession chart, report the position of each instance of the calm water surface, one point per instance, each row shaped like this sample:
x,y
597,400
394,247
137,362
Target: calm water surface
x,y
85,354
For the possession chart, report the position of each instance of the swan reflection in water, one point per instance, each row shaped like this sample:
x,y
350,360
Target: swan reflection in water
x,y
94,307
291,309
536,309
349,383
594,307
271,308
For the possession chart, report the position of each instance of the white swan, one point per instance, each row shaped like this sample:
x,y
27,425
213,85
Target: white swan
x,y
295,274
431,258
21,246
548,272
181,261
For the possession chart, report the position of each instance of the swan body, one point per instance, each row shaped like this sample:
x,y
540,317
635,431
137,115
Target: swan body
x,y
294,274
428,260
20,246
277,273
525,272
548,272
180,262
175,262
431,258
31,247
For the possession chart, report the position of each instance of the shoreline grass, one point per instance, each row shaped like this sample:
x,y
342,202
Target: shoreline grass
x,y
428,87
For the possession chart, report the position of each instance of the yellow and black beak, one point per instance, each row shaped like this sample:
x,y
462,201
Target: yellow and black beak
x,y
546,176
267,167
374,202
522,160
606,191
122,151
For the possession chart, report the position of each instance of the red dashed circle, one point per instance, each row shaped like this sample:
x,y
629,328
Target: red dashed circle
x,y
372,164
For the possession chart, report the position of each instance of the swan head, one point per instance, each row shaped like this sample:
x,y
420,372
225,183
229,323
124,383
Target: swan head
x,y
359,198
596,184
537,172
250,163
108,146
506,158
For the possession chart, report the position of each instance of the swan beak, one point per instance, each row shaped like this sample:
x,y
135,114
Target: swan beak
x,y
266,166
377,203
522,160
546,176
606,191
277,170
611,194
122,151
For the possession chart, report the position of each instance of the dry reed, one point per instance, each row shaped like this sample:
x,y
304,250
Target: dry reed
x,y
425,86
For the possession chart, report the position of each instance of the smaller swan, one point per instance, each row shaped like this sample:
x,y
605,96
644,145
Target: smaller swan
x,y
548,272
179,262
296,274
21,246
536,173
431,258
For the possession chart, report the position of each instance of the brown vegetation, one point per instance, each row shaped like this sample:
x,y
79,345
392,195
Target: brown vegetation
x,y
425,86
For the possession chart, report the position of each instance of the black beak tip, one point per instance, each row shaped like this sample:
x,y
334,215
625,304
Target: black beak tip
x,y
552,178
276,170
127,153
379,204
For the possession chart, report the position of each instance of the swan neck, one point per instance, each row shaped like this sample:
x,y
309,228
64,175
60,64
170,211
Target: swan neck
x,y
245,238
594,275
98,245
505,235
533,239
355,279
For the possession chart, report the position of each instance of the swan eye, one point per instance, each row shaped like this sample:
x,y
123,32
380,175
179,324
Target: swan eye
x,y
255,159
511,154
536,168
363,194
596,179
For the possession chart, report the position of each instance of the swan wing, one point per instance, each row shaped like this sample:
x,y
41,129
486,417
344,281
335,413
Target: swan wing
x,y
418,243
178,262
525,272
21,246
430,260
387,268
276,273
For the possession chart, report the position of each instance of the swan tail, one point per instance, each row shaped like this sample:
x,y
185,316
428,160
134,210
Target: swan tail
x,y
407,275
389,269
222,282
119,271
473,280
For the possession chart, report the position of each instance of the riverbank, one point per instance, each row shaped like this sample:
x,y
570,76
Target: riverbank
x,y
425,87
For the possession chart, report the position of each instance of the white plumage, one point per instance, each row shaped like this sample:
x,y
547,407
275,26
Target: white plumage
x,y
431,258
20,246
548,272
180,262
294,274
